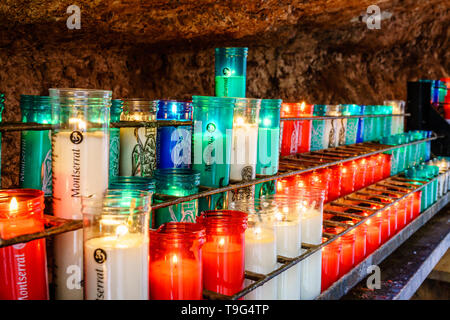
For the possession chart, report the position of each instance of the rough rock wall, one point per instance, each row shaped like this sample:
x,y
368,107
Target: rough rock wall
x,y
316,51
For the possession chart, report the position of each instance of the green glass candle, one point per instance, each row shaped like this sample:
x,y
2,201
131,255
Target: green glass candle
x,y
265,188
114,138
369,124
268,137
35,146
391,141
177,182
318,141
231,71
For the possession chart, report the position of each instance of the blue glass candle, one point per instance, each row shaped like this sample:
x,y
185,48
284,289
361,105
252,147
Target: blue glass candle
x,y
180,183
35,146
352,123
114,138
173,147
231,71
268,137
318,141
360,132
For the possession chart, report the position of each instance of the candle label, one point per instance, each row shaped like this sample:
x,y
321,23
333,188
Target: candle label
x,y
295,136
100,257
342,133
317,135
143,156
351,131
332,134
114,152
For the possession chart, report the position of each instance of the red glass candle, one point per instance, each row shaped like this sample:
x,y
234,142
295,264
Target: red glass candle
x,y
348,173
401,214
373,240
331,255
321,179
334,191
223,252
348,241
379,168
23,266
417,203
386,165
393,220
304,141
371,168
360,243
385,217
360,167
175,271
285,185
290,130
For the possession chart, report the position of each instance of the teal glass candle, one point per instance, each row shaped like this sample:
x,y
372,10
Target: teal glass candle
x,y
318,139
392,141
386,121
403,151
177,182
268,137
132,183
2,106
370,124
265,189
114,138
352,123
35,145
230,72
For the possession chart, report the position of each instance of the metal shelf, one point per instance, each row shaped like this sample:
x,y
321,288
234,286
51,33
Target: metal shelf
x,y
346,117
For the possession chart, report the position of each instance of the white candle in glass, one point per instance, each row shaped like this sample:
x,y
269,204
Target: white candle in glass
x,y
289,238
79,169
244,144
261,257
311,267
117,266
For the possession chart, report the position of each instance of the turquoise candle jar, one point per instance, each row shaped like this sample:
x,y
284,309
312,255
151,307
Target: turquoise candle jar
x,y
318,139
173,146
231,72
36,146
352,123
370,124
392,141
114,138
180,183
268,137
212,136
386,121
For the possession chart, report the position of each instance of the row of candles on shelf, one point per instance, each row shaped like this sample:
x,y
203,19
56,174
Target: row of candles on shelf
x,y
123,259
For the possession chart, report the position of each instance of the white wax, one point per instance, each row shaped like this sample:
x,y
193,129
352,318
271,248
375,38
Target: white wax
x,y
311,276
137,145
123,275
261,257
244,145
311,267
288,235
78,170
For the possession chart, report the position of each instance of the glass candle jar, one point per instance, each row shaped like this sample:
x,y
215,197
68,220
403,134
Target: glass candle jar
x,y
2,106
360,167
260,245
213,124
373,240
114,138
398,107
23,267
231,71
35,145
351,130
180,183
265,188
348,174
116,245
360,132
335,127
174,142
138,144
319,140
334,191
224,250
331,255
80,152
295,134
268,137
370,124
348,241
176,268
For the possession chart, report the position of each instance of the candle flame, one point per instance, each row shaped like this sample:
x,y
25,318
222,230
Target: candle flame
x,y
175,259
239,121
80,123
258,230
13,205
221,242
302,106
279,185
121,230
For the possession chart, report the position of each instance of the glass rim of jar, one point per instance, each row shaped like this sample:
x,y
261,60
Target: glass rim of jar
x,y
80,93
178,231
248,103
304,192
222,218
28,101
118,182
180,175
212,102
32,202
271,104
106,205
231,51
347,237
131,105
